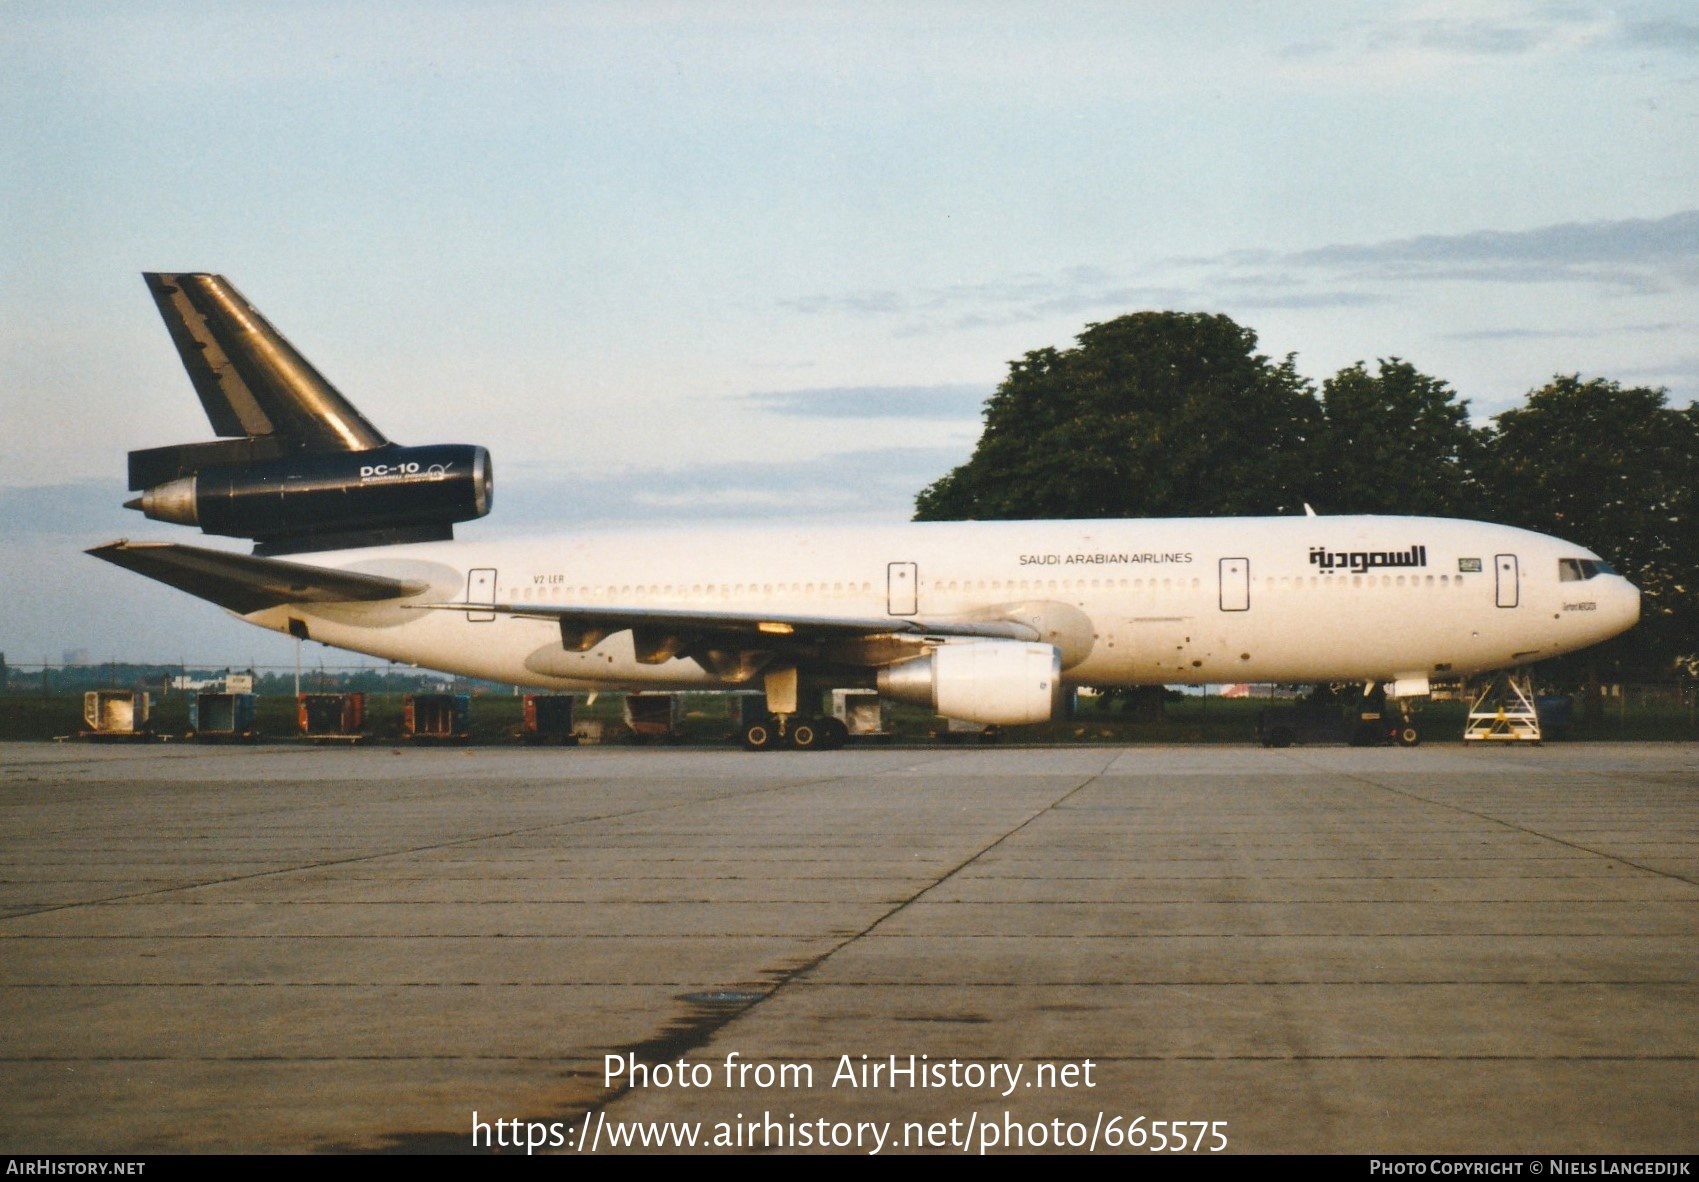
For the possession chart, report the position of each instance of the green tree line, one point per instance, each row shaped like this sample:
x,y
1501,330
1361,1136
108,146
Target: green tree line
x,y
1170,414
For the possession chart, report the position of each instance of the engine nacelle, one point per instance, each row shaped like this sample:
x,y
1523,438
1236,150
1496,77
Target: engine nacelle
x,y
316,500
995,682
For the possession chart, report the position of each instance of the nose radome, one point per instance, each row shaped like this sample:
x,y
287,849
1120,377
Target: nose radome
x,y
1619,609
1630,601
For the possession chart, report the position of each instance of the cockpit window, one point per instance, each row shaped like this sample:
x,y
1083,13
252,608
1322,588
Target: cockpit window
x,y
1578,570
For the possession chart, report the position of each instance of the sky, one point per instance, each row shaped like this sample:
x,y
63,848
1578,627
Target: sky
x,y
674,262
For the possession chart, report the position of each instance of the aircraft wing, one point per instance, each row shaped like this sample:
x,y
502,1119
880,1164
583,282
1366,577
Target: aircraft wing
x,y
662,633
242,583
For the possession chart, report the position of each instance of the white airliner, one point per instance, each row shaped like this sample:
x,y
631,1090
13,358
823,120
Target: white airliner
x,y
984,621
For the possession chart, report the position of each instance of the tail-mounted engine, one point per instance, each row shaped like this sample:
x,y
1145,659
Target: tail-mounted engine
x,y
301,469
315,502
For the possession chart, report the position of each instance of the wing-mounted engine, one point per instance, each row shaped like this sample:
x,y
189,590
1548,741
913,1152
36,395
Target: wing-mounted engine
x,y
302,468
996,682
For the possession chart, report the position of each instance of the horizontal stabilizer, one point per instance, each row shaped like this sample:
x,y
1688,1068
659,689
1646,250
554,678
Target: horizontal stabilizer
x,y
245,584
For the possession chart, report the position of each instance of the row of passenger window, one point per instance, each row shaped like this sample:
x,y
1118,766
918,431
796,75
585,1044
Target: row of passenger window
x,y
560,591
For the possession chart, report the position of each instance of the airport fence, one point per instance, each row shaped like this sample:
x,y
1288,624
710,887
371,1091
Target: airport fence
x,y
41,700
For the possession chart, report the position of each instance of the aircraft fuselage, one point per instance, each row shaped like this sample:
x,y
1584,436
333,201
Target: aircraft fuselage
x,y
1135,602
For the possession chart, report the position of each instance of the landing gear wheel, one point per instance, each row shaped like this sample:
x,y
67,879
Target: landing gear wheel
x,y
805,735
1408,736
760,736
833,733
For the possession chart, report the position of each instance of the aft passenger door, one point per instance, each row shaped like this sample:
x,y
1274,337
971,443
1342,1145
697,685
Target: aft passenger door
x,y
1508,580
481,588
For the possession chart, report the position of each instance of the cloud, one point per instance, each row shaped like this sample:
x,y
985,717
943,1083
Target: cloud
x,y
878,483
1635,252
85,508
1571,334
1678,375
1249,299
1632,255
1020,298
1682,36
1496,38
877,402
871,482
63,520
874,302
1433,36
1636,256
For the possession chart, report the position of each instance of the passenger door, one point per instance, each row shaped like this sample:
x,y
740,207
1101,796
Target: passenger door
x,y
1235,584
481,588
1509,593
902,581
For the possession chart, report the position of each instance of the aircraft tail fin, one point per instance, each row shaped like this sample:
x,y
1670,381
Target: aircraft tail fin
x,y
257,389
299,468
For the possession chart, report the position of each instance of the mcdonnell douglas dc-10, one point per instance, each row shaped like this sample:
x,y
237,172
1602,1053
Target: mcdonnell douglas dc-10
x,y
988,622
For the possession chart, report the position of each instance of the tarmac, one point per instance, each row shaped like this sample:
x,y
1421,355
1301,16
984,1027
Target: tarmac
x,y
1444,950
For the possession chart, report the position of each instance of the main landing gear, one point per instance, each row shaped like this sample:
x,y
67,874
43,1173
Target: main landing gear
x,y
795,731
786,724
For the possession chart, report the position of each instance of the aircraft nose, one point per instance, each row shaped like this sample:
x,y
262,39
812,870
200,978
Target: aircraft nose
x,y
1627,604
1619,608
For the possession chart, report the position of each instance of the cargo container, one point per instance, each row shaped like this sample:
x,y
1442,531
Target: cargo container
x,y
116,715
654,716
223,718
436,718
332,718
864,714
548,719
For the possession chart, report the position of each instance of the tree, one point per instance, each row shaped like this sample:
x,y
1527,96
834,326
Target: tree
x,y
1615,470
1396,441
1154,414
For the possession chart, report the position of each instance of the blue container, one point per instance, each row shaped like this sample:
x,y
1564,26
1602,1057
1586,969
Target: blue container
x,y
222,718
